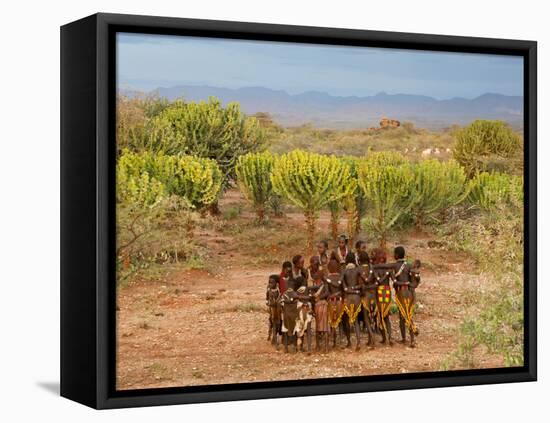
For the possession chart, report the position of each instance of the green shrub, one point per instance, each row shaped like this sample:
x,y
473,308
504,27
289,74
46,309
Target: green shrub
x,y
232,212
490,190
132,117
387,181
207,130
437,186
310,181
254,178
139,190
149,238
495,240
198,180
487,145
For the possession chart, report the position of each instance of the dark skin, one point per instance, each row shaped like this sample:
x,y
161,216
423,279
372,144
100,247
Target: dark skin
x,y
352,279
299,269
405,280
415,276
306,298
287,271
271,286
317,276
322,254
320,292
286,274
290,303
362,248
340,254
272,301
368,292
335,293
315,268
381,277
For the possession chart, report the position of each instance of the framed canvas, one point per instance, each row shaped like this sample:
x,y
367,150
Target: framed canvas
x,y
259,211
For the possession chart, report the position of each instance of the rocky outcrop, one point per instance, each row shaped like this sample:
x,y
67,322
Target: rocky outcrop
x,y
389,123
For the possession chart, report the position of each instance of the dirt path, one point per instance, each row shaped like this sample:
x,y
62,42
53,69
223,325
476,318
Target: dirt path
x,y
200,328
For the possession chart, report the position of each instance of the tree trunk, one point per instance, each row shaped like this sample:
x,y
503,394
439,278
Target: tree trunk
x,y
383,241
260,212
310,225
357,220
419,221
334,225
352,213
382,230
214,208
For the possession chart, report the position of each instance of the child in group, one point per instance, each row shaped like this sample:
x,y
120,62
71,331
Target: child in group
x,y
368,296
341,252
335,303
290,302
361,247
272,301
320,293
305,317
323,256
298,271
286,273
352,281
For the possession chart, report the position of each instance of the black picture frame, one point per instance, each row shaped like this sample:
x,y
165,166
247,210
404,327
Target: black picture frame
x,y
88,210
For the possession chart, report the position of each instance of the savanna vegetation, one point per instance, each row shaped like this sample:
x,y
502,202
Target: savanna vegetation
x,y
463,186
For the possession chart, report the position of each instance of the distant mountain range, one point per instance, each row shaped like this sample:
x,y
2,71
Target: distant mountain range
x,y
324,110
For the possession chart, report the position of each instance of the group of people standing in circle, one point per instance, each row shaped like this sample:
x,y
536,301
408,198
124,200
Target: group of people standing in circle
x,y
339,292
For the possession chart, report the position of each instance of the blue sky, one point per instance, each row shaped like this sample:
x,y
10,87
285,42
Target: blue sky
x,y
146,62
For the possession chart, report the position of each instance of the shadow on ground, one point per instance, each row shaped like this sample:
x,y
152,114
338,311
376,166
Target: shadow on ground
x,y
51,387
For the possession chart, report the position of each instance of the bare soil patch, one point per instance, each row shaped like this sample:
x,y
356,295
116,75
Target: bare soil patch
x,y
200,327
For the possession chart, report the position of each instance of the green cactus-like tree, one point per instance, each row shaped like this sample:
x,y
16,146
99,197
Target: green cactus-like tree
x,y
254,178
387,181
437,185
486,144
137,189
196,179
207,130
335,209
491,190
355,204
343,198
310,181
385,158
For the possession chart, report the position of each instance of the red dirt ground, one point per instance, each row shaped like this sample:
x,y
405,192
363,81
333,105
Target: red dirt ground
x,y
198,328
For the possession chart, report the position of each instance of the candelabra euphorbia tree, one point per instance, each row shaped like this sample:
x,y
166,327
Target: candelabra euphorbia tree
x,y
254,178
387,182
437,186
310,181
355,204
196,179
343,198
486,144
490,190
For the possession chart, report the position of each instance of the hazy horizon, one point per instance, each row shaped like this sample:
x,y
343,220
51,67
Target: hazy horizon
x,y
147,62
250,87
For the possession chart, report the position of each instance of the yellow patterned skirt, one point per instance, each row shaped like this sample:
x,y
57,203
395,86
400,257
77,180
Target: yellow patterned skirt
x,y
335,311
404,298
352,307
383,304
368,301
